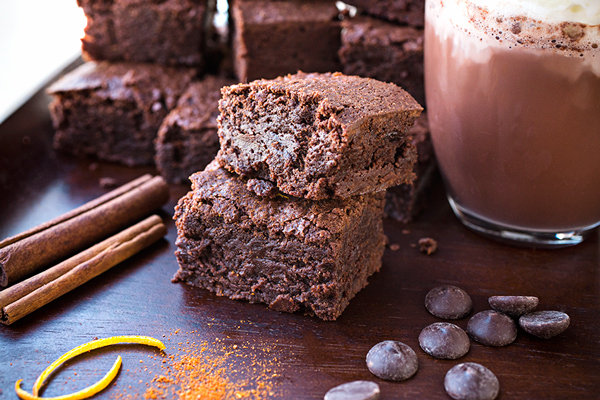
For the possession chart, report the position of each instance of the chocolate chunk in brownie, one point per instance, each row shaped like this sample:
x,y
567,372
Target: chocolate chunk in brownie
x,y
319,136
384,51
406,12
113,111
187,139
292,254
274,38
168,32
404,202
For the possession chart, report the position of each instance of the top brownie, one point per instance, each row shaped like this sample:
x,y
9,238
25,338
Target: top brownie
x,y
319,136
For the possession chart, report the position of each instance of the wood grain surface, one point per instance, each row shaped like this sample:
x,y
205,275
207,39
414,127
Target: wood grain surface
x,y
295,356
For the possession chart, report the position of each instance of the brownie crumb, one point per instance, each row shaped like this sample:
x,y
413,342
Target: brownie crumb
x,y
394,247
405,231
93,166
262,188
427,246
107,182
26,140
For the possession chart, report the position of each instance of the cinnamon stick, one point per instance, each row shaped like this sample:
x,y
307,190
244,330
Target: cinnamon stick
x,y
31,294
24,254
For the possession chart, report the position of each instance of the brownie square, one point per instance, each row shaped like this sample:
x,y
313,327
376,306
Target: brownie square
x,y
384,51
292,254
406,12
319,136
274,38
168,32
187,139
113,111
404,202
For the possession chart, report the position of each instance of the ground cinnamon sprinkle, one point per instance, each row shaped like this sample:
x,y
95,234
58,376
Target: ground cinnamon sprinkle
x,y
215,370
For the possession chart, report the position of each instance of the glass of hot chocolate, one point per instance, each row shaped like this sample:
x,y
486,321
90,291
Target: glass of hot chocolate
x,y
513,98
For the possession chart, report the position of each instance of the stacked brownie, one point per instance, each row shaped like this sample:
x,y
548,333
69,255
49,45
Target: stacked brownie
x,y
290,212
275,38
385,42
403,12
112,111
187,139
404,202
145,56
385,51
167,32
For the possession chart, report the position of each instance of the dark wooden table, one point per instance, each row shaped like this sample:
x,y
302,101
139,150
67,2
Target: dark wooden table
x,y
294,356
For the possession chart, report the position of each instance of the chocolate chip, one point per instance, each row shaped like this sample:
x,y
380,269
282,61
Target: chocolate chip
x,y
444,340
492,328
392,360
357,390
448,302
471,381
513,306
545,324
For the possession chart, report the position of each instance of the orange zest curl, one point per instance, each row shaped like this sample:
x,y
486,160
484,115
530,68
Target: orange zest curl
x,y
96,387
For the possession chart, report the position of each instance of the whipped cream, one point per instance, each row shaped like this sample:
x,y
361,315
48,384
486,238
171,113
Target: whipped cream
x,y
581,11
477,27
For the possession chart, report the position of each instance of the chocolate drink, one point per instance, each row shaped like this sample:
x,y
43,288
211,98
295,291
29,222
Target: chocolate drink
x,y
514,109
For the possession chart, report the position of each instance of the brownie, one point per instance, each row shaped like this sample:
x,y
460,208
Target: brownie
x,y
187,139
292,254
319,136
384,51
406,12
113,111
404,202
274,38
168,32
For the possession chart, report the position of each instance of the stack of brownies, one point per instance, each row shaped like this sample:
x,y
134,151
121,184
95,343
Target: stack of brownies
x,y
143,97
290,212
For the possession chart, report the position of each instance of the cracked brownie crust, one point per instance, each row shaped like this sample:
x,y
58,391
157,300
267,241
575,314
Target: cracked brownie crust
x,y
292,254
319,136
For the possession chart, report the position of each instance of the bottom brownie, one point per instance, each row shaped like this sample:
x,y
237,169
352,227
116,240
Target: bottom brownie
x,y
292,254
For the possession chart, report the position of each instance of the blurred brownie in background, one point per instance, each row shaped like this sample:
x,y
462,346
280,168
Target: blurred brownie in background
x,y
113,111
384,51
187,139
405,12
404,202
275,38
167,32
